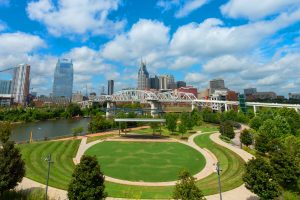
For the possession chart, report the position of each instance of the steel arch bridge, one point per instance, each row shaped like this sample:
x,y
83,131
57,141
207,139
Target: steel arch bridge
x,y
144,96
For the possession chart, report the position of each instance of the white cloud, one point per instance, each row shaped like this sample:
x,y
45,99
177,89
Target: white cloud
x,y
76,16
183,62
227,63
211,38
18,43
257,9
146,39
189,6
167,4
184,7
195,78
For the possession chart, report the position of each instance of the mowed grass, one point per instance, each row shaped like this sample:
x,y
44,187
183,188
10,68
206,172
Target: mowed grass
x,y
231,176
146,161
62,153
165,132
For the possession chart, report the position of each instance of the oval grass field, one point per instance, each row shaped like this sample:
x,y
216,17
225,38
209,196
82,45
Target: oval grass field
x,y
146,161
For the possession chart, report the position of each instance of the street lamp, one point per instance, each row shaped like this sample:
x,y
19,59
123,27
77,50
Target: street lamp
x,y
48,159
218,169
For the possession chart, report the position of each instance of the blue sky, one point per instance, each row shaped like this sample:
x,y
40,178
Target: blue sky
x,y
249,43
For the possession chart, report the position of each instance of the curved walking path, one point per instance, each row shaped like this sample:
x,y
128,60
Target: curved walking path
x,y
239,193
206,171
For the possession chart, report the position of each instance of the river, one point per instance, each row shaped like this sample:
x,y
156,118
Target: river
x,y
47,129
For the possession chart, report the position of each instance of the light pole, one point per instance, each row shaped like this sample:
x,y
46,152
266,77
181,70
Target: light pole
x,y
48,159
219,181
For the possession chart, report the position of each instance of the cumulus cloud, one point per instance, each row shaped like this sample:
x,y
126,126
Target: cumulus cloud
x,y
257,9
189,6
146,39
211,38
226,63
18,43
184,7
76,16
183,62
195,78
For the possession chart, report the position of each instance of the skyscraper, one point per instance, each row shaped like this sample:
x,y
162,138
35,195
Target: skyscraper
x,y
110,87
20,83
180,84
216,84
154,83
143,77
167,82
63,78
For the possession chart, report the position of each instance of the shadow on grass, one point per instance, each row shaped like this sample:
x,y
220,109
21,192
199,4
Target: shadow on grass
x,y
141,136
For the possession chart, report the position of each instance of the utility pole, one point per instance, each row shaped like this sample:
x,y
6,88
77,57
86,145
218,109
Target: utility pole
x,y
218,171
48,159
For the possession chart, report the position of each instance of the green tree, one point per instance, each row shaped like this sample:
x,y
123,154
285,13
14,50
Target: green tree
x,y
77,131
256,122
246,137
197,117
186,119
73,110
186,189
286,168
154,127
259,179
12,167
182,129
171,122
87,180
226,129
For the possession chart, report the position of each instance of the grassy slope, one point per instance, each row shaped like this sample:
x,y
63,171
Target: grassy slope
x,y
62,153
139,160
34,154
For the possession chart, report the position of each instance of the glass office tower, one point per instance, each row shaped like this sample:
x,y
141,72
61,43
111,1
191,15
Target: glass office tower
x,y
63,79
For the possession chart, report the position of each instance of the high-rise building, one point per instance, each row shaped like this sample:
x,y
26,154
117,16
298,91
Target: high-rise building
x,y
216,84
180,84
163,82
249,91
110,87
143,77
171,82
20,83
63,79
5,86
154,82
167,82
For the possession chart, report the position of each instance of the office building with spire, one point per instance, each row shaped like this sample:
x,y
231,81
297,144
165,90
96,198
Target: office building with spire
x,y
63,79
143,77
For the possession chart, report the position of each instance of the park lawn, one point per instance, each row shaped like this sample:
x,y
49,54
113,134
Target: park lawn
x,y
231,177
62,153
165,132
94,138
146,161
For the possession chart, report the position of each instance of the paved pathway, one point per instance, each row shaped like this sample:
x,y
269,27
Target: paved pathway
x,y
206,171
240,193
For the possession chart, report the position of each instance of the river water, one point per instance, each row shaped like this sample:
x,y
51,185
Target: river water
x,y
49,129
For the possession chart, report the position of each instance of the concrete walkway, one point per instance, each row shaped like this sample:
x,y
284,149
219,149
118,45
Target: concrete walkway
x,y
240,193
206,171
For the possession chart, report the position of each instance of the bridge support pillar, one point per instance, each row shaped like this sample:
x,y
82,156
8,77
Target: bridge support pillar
x,y
254,109
226,107
193,105
155,105
110,106
297,110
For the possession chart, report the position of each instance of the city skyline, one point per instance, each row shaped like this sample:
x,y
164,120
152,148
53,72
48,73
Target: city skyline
x,y
194,42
